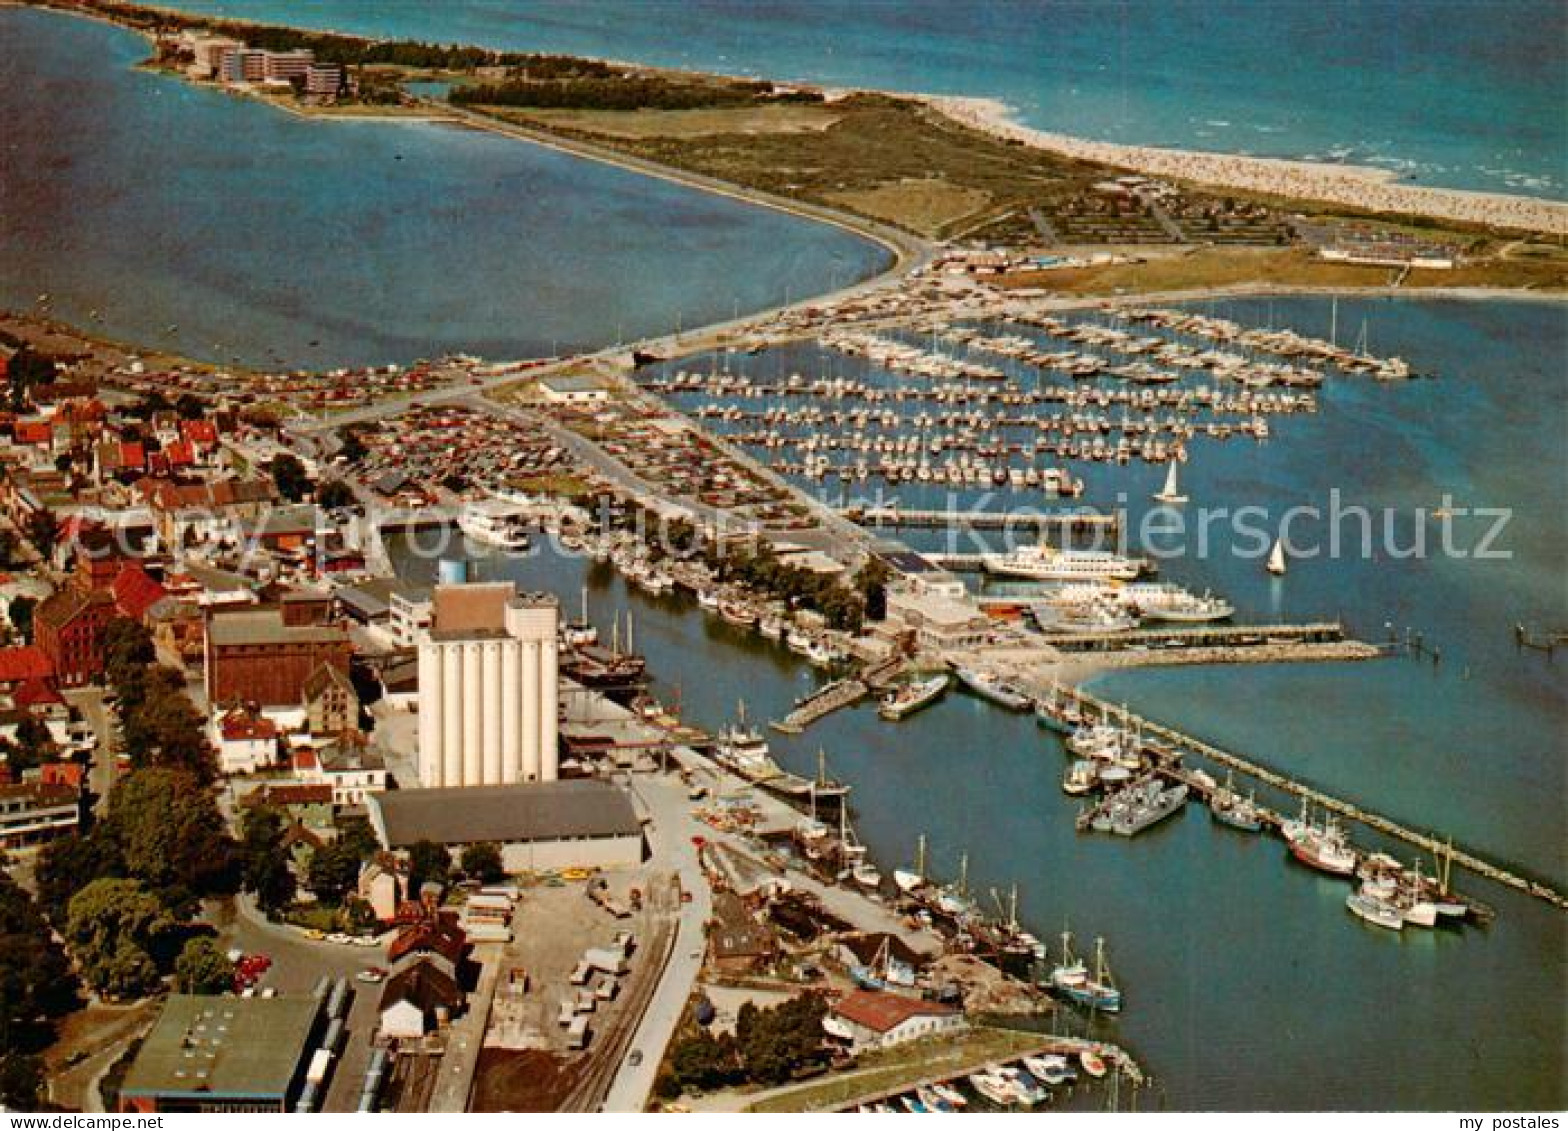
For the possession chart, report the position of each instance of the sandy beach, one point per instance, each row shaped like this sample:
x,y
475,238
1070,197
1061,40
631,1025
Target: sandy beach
x,y
1374,190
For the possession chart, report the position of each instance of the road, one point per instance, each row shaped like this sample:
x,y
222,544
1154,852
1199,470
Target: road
x,y
671,835
100,774
298,964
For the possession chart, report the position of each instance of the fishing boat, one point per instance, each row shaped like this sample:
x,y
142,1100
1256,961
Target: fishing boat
x,y
733,612
989,685
1378,912
1058,712
906,700
1230,808
1071,979
1276,562
579,632
1082,776
907,880
1170,494
932,1101
1323,847
1093,1063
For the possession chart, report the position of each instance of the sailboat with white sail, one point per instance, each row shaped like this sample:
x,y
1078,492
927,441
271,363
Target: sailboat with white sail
x,y
1171,492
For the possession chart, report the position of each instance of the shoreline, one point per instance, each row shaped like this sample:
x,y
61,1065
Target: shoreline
x,y
1353,186
1359,187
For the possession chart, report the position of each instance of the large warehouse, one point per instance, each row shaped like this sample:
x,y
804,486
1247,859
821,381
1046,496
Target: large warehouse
x,y
224,1054
539,826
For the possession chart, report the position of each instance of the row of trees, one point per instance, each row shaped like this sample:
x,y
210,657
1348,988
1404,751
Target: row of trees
x,y
768,1047
620,93
124,891
36,987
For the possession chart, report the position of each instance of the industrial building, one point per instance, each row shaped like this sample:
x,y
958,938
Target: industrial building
x,y
538,827
489,687
224,1054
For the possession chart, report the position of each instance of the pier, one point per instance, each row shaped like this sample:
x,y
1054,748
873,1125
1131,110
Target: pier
x,y
1117,1057
1170,746
1201,636
907,518
824,701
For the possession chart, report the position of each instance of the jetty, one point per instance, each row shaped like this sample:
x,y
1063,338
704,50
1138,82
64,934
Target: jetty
x,y
907,518
1202,636
824,701
1120,1060
1169,747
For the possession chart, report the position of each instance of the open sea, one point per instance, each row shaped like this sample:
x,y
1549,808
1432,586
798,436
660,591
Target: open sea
x,y
1249,985
1461,93
154,211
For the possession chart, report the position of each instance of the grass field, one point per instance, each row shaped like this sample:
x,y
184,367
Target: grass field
x,y
920,1060
1292,266
780,118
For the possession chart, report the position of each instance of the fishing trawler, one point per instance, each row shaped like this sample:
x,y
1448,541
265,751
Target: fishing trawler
x,y
989,685
1375,910
580,632
906,700
1323,847
1071,979
1229,808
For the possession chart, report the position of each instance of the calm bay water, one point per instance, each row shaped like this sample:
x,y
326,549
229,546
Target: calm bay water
x,y
1466,93
1249,984
158,212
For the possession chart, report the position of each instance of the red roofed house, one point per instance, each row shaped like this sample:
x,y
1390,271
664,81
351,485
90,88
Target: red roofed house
x,y
22,665
135,591
435,936
871,1020
246,741
34,433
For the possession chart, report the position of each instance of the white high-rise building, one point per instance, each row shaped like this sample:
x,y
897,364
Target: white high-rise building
x,y
489,690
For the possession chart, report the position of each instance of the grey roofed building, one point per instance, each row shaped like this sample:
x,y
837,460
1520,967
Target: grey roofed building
x,y
505,814
211,1053
264,625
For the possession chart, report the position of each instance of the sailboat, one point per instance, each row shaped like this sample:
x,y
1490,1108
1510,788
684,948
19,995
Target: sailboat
x,y
1170,493
909,881
1276,562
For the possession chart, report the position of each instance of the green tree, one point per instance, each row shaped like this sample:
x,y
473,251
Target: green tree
x,y
289,474
265,866
42,530
70,863
113,928
335,494
202,968
170,832
428,862
482,862
20,612
334,872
